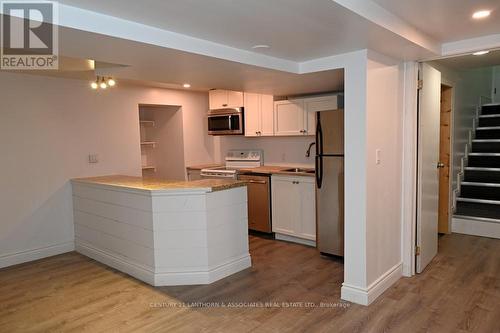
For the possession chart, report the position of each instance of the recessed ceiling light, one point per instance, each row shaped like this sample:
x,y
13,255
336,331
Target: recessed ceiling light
x,y
480,14
260,46
480,53
186,85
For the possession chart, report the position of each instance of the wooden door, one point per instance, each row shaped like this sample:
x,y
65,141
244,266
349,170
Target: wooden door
x,y
444,160
428,157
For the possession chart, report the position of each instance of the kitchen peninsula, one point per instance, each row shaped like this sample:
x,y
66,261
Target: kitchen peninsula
x,y
163,232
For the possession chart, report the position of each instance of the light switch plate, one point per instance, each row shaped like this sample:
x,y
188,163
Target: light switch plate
x,y
377,157
93,158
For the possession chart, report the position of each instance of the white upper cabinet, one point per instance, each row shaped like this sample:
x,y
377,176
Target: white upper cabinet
x,y
298,116
259,119
310,119
252,114
321,103
267,115
221,99
289,117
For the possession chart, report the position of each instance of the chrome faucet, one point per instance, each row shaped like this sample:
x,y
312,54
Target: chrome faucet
x,y
308,152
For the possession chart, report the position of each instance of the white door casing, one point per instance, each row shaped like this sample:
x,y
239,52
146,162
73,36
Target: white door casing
x,y
428,158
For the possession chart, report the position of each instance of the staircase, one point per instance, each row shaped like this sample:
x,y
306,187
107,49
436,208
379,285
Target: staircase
x,y
479,194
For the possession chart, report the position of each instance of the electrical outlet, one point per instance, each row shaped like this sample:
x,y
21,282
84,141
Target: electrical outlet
x,y
93,158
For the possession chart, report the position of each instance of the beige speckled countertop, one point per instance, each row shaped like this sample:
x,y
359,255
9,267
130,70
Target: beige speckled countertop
x,y
278,170
265,170
152,185
204,166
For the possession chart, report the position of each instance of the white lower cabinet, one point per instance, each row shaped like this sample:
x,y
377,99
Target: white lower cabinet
x,y
294,208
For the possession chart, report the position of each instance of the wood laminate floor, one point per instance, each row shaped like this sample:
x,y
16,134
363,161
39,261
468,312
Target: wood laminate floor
x,y
459,292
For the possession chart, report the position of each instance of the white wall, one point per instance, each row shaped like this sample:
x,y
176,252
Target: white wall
x,y
355,64
48,126
384,181
496,85
373,193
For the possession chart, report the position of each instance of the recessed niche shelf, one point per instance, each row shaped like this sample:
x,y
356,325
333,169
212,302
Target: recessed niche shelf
x,y
148,143
149,168
148,123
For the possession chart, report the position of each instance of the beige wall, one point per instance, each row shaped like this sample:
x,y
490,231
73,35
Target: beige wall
x,y
48,126
277,150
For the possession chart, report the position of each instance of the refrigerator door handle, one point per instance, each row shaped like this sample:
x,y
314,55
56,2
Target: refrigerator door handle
x,y
319,135
319,171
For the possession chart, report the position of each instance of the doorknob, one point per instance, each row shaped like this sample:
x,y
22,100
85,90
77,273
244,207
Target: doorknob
x,y
440,165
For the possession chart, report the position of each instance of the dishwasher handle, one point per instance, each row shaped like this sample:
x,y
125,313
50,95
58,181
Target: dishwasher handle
x,y
256,181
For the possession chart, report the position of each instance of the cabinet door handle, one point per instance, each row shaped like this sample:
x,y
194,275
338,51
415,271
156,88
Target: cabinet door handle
x,y
224,105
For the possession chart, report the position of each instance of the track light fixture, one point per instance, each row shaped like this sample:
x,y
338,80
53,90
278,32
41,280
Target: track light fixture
x,y
102,82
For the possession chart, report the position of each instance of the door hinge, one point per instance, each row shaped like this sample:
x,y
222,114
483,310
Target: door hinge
x,y
420,84
417,250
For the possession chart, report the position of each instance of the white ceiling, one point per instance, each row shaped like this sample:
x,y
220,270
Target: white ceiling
x,y
208,42
296,30
447,20
469,61
158,66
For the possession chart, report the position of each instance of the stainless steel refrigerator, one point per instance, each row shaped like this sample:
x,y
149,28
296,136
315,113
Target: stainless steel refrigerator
x,y
330,182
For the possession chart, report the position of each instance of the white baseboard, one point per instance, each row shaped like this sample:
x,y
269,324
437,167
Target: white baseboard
x,y
203,277
475,227
293,239
365,296
120,263
157,279
35,254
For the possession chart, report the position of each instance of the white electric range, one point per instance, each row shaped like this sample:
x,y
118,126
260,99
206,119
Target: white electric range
x,y
235,160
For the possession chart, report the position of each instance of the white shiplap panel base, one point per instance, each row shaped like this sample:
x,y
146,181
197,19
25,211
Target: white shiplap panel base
x,y
164,240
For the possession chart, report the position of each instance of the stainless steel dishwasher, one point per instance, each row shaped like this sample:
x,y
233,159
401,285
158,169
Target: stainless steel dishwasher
x,y
259,202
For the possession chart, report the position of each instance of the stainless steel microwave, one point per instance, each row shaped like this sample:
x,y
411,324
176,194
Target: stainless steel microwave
x,y
226,122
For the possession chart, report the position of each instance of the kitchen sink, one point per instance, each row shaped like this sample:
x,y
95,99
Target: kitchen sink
x,y
299,170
